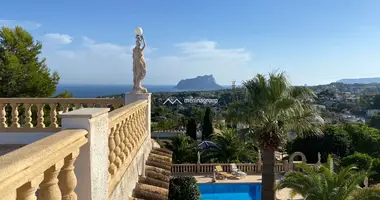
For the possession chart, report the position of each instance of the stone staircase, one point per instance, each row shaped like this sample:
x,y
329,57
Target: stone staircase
x,y
155,184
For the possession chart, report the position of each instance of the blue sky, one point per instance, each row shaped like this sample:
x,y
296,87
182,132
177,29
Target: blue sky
x,y
315,42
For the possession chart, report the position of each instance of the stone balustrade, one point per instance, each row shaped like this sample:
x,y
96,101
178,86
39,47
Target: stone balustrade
x,y
128,129
41,114
44,168
194,169
208,168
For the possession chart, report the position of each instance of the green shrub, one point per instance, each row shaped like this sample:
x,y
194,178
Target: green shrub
x,y
360,160
184,188
376,170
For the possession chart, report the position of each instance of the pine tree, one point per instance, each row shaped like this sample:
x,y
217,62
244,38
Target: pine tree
x,y
22,72
207,128
191,128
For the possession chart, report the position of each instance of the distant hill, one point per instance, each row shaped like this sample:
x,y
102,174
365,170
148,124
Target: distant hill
x,y
206,82
359,80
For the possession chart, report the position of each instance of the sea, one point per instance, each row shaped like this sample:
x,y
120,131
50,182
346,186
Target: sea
x,y
92,91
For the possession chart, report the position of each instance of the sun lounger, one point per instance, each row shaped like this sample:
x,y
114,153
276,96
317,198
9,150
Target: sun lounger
x,y
236,171
220,171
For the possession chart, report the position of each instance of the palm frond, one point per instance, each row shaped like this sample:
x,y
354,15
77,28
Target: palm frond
x,y
370,193
325,184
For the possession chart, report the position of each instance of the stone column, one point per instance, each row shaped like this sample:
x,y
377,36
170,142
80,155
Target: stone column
x,y
132,97
91,166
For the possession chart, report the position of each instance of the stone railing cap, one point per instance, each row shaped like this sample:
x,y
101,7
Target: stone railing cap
x,y
85,113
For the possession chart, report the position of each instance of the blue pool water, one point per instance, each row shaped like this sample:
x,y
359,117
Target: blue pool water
x,y
230,191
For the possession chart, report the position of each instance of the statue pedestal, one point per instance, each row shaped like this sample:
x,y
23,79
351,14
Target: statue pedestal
x,y
132,97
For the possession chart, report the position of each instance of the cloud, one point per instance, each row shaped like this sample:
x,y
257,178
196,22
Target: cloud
x,y
207,49
204,57
30,25
109,63
56,39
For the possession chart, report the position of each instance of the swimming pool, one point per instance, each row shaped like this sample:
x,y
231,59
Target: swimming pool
x,y
230,191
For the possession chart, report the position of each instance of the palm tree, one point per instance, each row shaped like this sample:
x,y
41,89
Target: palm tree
x,y
229,148
272,109
184,149
324,184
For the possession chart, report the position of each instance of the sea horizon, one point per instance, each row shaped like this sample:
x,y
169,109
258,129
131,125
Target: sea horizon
x,y
96,90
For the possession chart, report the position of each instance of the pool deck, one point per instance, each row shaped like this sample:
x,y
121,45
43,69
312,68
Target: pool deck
x,y
280,195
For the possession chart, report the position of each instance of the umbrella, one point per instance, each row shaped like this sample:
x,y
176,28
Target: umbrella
x,y
206,144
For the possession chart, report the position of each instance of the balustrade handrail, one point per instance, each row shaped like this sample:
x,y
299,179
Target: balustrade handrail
x,y
62,100
24,165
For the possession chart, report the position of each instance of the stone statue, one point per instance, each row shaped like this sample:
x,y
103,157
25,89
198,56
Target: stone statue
x,y
199,158
365,182
139,66
319,158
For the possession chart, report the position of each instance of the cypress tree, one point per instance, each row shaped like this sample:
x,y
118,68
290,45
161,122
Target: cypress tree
x,y
207,128
191,128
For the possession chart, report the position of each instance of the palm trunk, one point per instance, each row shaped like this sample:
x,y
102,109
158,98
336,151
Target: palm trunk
x,y
268,175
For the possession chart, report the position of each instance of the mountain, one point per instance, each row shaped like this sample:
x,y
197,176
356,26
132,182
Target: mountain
x,y
360,80
206,82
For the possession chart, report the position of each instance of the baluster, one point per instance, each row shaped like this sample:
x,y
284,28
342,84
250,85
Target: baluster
x,y
131,127
49,189
122,132
15,123
132,134
40,115
137,126
3,113
143,121
67,178
132,123
145,111
112,156
117,145
28,115
129,146
28,190
53,115
65,107
140,123
78,106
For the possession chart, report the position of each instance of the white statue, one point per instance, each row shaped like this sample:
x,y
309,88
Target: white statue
x,y
199,158
365,182
319,158
139,66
